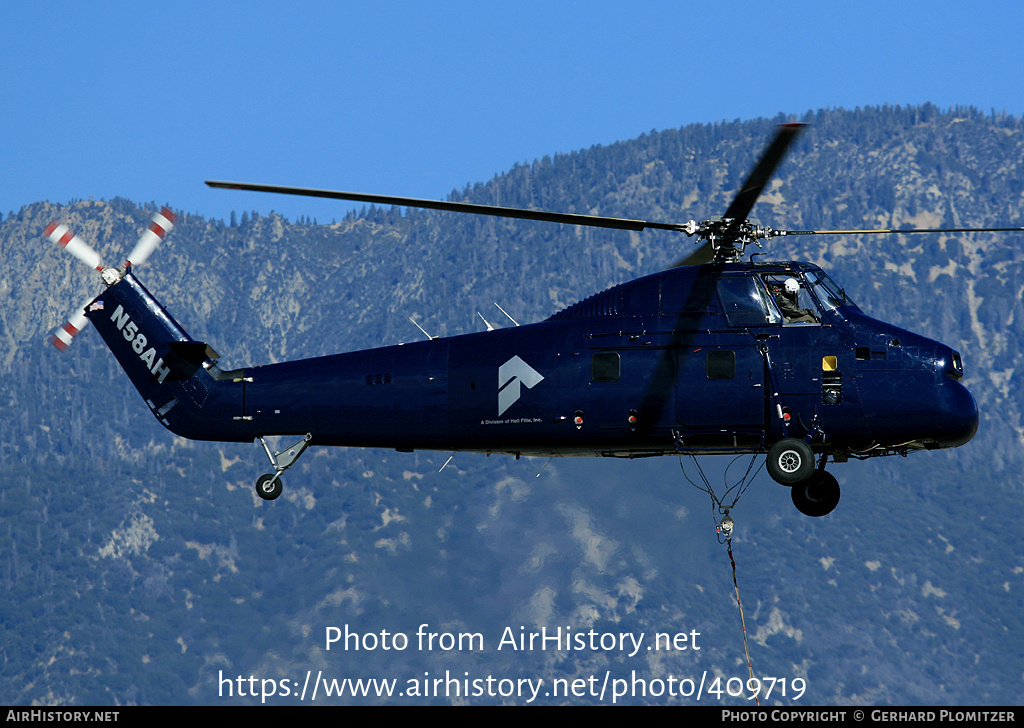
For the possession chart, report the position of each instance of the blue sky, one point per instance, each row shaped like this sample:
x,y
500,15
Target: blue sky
x,y
146,100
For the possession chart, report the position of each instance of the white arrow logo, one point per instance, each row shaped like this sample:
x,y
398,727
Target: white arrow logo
x,y
511,375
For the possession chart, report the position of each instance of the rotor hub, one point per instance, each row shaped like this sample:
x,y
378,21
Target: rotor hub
x,y
111,276
729,237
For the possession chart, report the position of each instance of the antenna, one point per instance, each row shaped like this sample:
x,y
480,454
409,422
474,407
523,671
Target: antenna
x,y
486,322
429,337
506,313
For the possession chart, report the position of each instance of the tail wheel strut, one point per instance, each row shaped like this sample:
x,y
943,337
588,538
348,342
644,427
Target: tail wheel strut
x,y
269,486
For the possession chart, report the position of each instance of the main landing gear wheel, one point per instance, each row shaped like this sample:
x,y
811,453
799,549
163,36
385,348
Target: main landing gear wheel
x,y
790,461
818,495
269,487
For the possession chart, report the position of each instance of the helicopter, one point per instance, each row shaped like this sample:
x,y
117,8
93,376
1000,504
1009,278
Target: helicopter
x,y
714,355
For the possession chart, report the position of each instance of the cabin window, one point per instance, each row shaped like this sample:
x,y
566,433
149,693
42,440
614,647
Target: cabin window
x,y
826,291
721,364
865,353
803,308
742,303
768,302
605,366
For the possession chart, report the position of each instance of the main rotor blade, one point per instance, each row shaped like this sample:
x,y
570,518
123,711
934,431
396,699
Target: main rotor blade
x,y
700,256
755,183
907,230
495,211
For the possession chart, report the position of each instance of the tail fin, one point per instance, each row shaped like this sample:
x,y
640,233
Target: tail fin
x,y
166,365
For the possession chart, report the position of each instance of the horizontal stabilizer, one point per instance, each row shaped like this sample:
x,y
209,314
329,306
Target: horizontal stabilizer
x,y
185,358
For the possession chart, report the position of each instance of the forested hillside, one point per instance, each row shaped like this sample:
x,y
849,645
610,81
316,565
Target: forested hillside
x,y
137,567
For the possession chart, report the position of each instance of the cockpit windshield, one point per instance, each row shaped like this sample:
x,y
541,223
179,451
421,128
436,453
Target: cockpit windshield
x,y
826,291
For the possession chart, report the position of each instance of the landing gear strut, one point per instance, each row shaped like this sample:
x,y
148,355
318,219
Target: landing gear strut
x,y
269,487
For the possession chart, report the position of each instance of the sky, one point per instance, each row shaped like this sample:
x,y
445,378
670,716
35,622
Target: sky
x,y
147,100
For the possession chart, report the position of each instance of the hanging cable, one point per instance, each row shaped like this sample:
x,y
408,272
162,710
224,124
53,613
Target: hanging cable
x,y
738,488
724,529
741,485
739,603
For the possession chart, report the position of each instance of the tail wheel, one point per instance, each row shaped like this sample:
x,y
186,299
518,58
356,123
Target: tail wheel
x,y
790,461
818,495
269,487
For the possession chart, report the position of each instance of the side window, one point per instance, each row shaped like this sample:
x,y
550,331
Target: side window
x,y
826,291
742,302
721,365
768,301
605,366
797,306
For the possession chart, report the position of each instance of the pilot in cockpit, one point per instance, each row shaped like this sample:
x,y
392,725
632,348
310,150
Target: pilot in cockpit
x,y
788,300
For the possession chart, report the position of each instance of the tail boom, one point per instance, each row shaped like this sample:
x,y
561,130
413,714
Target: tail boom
x,y
172,371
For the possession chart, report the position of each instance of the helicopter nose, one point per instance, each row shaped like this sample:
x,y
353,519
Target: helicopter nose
x,y
957,420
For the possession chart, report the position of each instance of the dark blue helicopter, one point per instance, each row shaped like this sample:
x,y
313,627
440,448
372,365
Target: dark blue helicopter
x,y
712,356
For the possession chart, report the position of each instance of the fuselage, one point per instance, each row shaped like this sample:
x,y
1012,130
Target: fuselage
x,y
695,359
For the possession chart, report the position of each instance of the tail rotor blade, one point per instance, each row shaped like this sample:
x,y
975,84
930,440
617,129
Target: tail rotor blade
x,y
161,224
62,235
63,336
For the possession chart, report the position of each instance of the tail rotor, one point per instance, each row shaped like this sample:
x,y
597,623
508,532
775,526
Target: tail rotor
x,y
159,226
